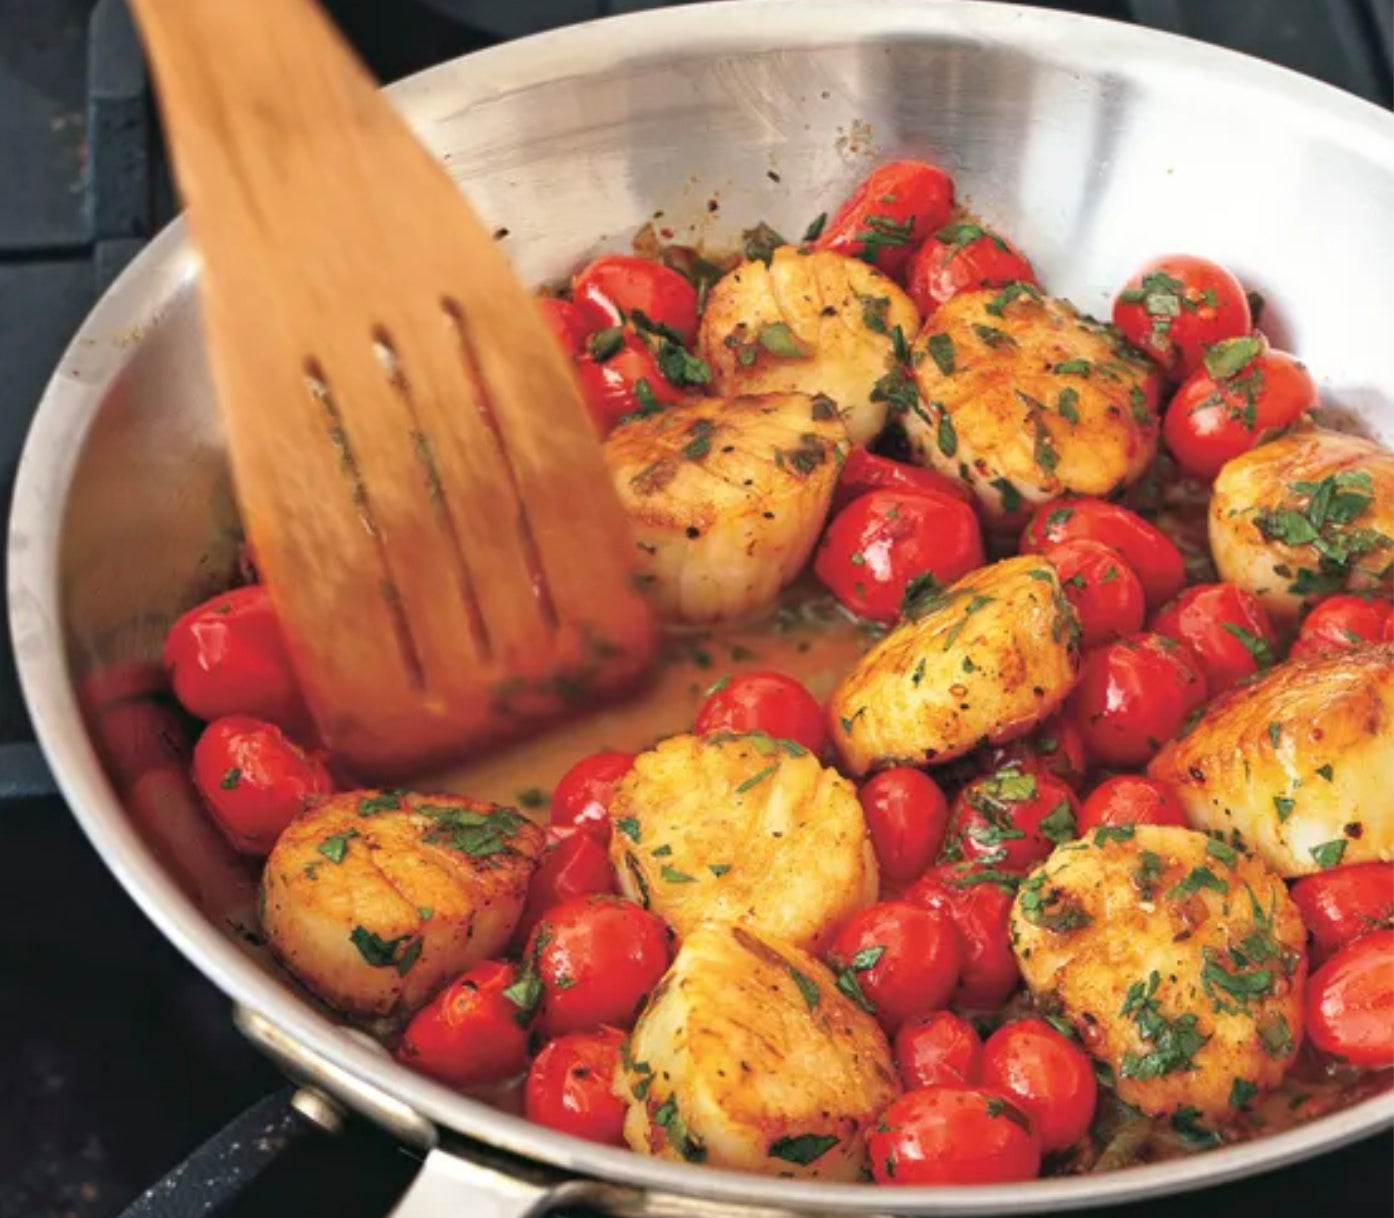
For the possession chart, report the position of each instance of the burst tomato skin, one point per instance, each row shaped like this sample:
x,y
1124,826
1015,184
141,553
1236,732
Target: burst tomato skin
x,y
1133,696
471,1033
1225,627
1341,622
597,958
1153,557
567,322
583,794
979,906
1130,799
574,864
953,1135
1177,306
940,1049
570,1086
866,471
907,817
613,288
255,780
1047,1076
768,702
882,542
1350,1002
1055,747
901,203
989,810
1105,592
1345,903
611,385
962,258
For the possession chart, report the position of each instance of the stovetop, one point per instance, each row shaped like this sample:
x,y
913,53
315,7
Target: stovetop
x,y
117,1060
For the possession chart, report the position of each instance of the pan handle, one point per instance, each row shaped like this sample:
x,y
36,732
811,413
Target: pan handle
x,y
448,1185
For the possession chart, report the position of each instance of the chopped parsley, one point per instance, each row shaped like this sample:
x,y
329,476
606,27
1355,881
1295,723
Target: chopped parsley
x,y
604,343
371,805
847,982
803,1149
946,437
1150,868
1114,833
1241,1091
1068,404
476,834
1051,909
673,876
756,779
718,869
629,826
399,953
882,232
334,848
1329,854
1229,357
780,341
974,605
1199,877
1284,807
1073,367
1059,826
1011,497
1254,644
1326,772
918,591
761,242
231,779
815,228
1173,1043
941,351
1275,1036
807,987
1014,291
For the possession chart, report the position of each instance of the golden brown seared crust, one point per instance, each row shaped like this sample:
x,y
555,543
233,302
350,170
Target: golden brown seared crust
x,y
726,498
1027,400
374,900
1298,763
1179,960
841,315
982,662
747,1057
1305,516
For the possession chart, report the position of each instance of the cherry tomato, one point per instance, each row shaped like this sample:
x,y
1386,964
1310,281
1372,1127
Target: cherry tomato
x,y
571,1086
962,258
1055,747
1345,903
618,287
583,794
952,1135
867,471
619,376
255,780
1177,306
880,545
1130,799
907,817
1153,557
889,214
897,960
1047,1076
938,1050
1341,622
1135,695
597,958
1225,627
227,657
575,864
1350,1002
472,1032
1012,819
978,900
567,322
766,702
1225,407
1105,592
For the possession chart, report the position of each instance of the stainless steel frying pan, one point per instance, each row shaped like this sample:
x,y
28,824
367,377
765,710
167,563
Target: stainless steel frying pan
x,y
1095,145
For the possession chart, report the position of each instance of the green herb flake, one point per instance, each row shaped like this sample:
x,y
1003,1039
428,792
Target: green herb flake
x,y
629,826
807,987
1059,826
673,876
1284,807
1013,292
803,1149
756,779
1275,734
1326,772
1068,404
1073,367
1275,1036
815,228
532,797
1185,1122
1226,854
231,779
1150,868
941,350
1173,1042
760,243
1254,644
371,805
1011,497
1241,1091
973,606
1114,833
718,869
946,436
334,848
992,337
385,953
1227,358
1329,854
1051,909
780,341
1199,878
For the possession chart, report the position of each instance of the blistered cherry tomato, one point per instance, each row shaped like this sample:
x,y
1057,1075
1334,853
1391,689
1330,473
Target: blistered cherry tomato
x,y
472,1032
1055,747
1106,594
907,817
1350,1002
1048,1077
766,702
1341,622
583,794
1227,629
597,958
619,376
619,287
881,544
952,1135
1175,307
897,960
938,1050
979,901
255,779
566,321
1130,799
1012,819
1229,404
962,258
574,864
1135,695
1151,555
867,471
571,1086
889,214
228,657
1340,905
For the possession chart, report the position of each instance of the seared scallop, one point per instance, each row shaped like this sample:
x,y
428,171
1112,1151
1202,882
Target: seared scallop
x,y
726,499
747,829
810,322
1179,959
747,1057
1305,516
374,900
981,662
1026,400
1297,763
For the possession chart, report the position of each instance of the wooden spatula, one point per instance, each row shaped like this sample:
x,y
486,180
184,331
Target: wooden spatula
x,y
420,481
